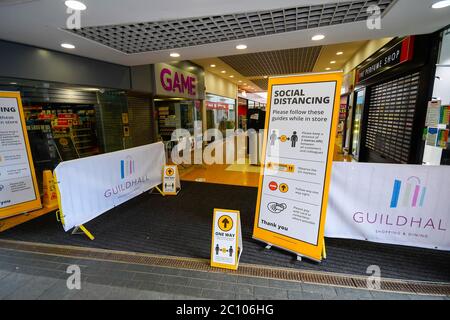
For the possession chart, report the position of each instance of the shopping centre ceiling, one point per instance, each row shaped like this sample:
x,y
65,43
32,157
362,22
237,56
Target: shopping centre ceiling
x,y
135,32
172,34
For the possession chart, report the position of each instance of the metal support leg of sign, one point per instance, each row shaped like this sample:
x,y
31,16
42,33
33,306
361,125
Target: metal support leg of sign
x,y
324,251
159,191
85,231
268,246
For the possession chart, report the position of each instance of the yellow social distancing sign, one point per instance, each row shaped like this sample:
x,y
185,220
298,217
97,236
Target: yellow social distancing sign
x,y
226,244
302,117
19,192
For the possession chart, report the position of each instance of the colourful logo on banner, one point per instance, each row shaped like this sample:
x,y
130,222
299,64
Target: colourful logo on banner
x,y
409,194
127,167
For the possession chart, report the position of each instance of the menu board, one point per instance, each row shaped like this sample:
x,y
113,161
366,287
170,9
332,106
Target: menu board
x,y
18,186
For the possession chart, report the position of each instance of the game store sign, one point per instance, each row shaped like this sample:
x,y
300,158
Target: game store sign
x,y
175,82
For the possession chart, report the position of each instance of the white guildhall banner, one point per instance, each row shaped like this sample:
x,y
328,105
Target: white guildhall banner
x,y
91,186
386,203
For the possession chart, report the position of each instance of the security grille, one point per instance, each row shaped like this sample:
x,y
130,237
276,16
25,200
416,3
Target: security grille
x,y
391,116
163,35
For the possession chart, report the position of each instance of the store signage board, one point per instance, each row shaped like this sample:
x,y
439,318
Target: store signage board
x,y
301,122
175,82
398,54
19,191
218,106
171,180
226,244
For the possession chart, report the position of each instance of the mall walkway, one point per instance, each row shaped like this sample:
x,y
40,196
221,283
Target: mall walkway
x,y
26,275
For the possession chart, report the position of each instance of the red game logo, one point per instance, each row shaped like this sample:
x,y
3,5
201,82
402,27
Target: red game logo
x,y
273,186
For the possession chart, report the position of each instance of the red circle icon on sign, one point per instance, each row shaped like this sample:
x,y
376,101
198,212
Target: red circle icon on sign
x,y
273,186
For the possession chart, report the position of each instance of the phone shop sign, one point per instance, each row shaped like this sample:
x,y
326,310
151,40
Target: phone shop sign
x,y
175,82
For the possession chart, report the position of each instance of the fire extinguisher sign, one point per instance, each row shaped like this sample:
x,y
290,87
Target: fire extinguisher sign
x,y
226,244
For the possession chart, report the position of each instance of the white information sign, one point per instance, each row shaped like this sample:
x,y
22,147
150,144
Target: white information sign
x,y
226,245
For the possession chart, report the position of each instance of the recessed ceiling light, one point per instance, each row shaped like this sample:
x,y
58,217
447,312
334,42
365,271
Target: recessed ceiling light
x,y
240,81
265,77
328,69
223,71
191,68
175,55
75,5
333,62
339,53
212,65
231,76
13,83
318,37
441,4
241,47
245,84
67,46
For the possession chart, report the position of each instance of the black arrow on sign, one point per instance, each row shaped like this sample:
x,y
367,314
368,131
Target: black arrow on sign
x,y
225,223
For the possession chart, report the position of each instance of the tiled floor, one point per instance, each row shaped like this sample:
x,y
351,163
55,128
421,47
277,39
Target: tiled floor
x,y
37,276
218,173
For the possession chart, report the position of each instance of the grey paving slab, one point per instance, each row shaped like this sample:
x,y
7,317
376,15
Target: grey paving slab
x,y
207,284
218,295
13,282
270,292
238,288
245,297
303,295
326,291
353,294
153,295
118,293
90,291
288,285
32,289
253,281
150,277
182,290
176,280
58,291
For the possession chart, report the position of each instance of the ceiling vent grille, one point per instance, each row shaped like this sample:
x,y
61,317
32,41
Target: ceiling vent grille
x,y
165,35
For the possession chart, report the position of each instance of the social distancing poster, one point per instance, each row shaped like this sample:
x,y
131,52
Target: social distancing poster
x,y
19,191
302,114
226,244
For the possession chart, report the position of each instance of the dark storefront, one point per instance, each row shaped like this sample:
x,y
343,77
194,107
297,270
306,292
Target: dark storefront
x,y
389,102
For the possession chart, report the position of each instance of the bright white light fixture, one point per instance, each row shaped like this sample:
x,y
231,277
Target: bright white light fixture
x,y
318,37
75,5
265,77
328,69
231,76
333,62
240,81
175,55
441,4
212,65
241,47
340,53
67,46
223,71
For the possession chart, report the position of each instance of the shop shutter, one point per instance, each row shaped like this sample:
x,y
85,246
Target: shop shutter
x,y
390,118
140,120
57,95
